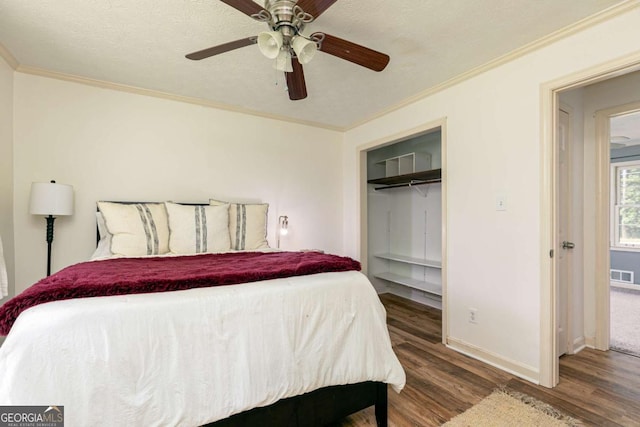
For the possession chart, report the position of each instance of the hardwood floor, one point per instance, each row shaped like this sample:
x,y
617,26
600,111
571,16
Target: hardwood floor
x,y
598,388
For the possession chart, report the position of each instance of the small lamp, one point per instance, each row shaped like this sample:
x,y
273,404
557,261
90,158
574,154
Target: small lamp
x,y
283,225
51,199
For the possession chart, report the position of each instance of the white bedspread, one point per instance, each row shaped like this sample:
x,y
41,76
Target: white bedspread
x,y
193,357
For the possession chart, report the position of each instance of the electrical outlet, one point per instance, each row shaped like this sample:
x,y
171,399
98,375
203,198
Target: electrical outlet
x,y
473,315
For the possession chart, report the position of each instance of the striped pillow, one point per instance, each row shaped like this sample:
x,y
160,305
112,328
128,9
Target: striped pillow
x,y
198,229
247,225
137,229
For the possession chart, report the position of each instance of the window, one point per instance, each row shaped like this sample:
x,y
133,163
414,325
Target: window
x,y
625,204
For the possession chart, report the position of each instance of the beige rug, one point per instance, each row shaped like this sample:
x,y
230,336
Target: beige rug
x,y
505,408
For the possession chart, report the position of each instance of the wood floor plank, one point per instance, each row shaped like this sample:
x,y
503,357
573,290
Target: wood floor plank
x,y
597,388
568,407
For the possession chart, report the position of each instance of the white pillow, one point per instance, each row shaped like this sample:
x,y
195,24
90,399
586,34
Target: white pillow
x,y
198,229
103,250
137,229
247,225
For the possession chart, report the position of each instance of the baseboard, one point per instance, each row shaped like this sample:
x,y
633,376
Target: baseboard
x,y
579,344
621,285
516,368
590,342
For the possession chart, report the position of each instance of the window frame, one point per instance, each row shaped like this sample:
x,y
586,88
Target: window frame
x,y
615,207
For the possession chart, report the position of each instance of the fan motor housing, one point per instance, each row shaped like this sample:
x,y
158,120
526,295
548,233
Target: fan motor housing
x,y
286,17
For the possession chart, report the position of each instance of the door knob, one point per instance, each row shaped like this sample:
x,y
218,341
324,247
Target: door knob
x,y
568,245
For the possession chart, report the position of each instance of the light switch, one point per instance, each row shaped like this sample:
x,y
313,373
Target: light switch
x,y
501,203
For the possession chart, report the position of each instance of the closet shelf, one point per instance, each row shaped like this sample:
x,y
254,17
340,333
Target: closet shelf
x,y
421,285
424,177
410,260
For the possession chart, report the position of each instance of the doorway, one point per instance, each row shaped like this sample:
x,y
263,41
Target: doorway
x,y
588,301
624,290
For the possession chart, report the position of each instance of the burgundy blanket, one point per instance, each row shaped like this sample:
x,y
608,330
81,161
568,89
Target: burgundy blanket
x,y
145,275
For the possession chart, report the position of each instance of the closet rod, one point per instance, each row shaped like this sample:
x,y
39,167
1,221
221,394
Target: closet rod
x,y
408,184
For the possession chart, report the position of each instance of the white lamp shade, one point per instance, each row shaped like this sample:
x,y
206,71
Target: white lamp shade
x,y
269,43
49,198
305,49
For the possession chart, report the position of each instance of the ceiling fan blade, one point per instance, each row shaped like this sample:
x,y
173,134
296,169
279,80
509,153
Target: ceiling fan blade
x,y
350,51
222,48
247,7
295,81
315,8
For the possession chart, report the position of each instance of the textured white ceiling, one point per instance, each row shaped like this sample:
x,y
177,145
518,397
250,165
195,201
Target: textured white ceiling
x,y
625,130
142,43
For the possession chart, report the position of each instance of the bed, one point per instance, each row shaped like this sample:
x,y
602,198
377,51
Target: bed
x,y
305,349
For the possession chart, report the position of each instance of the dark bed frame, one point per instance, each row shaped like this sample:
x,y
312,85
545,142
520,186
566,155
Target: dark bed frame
x,y
317,408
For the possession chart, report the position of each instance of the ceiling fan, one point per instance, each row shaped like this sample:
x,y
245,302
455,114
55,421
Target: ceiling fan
x,y
288,46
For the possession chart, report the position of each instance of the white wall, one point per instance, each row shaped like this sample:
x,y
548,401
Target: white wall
x,y
112,145
6,168
493,147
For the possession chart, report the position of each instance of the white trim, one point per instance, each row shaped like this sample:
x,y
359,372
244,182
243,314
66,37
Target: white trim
x,y
8,57
623,249
602,221
549,367
445,215
579,344
164,95
623,285
614,183
521,370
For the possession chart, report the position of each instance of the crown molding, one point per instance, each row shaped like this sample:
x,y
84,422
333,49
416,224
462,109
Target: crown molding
x,y
164,95
585,23
8,57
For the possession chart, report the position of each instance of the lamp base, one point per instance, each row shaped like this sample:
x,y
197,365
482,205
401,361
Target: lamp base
x,y
50,220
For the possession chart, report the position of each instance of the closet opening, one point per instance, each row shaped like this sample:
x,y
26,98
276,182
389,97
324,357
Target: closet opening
x,y
404,216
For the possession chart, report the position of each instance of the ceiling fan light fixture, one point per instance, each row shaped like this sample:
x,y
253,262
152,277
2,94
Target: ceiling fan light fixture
x,y
270,43
305,49
283,61
621,139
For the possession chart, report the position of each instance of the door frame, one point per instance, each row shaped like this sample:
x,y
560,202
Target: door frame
x,y
549,93
603,210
